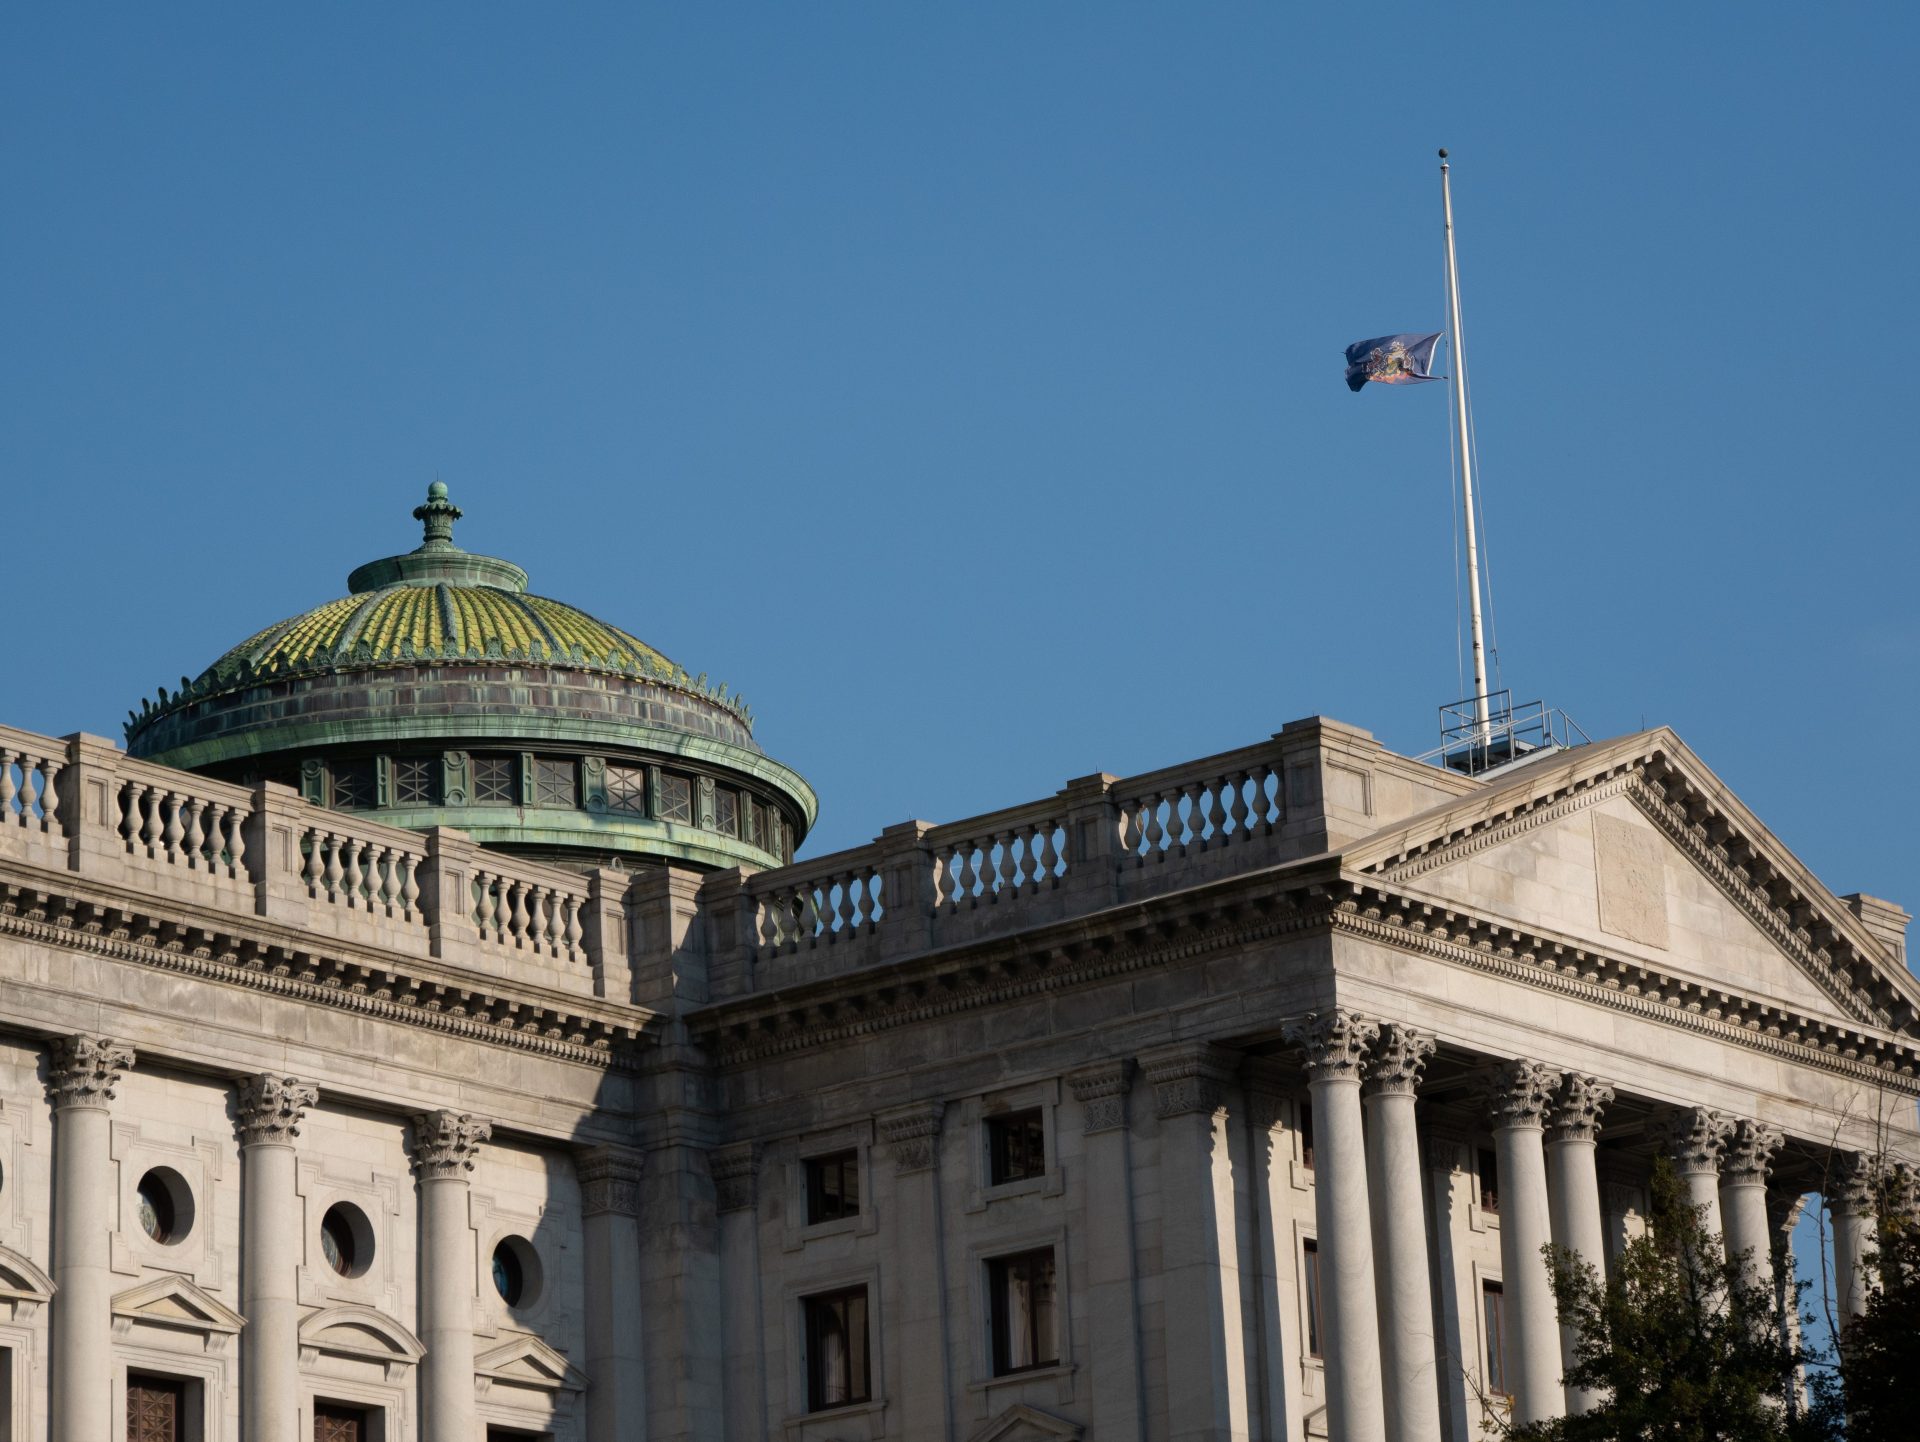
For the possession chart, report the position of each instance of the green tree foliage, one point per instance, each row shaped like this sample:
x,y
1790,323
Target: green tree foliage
x,y
1879,1385
1680,1343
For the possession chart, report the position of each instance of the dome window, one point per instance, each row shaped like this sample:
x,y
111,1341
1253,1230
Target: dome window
x,y
676,799
726,812
353,786
413,782
627,789
493,781
555,783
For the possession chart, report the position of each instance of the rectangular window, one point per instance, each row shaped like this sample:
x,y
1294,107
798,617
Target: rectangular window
x,y
1310,1271
334,1423
353,785
1489,1182
837,1365
676,798
1016,1146
1022,1299
156,1409
726,812
555,783
493,781
1305,1111
1495,1305
833,1187
627,790
413,782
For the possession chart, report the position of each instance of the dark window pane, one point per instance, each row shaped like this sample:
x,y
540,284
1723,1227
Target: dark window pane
x,y
833,1187
554,783
726,812
1310,1267
413,782
1022,1301
1489,1181
676,798
1495,1304
627,790
837,1367
493,781
1017,1146
353,786
1305,1110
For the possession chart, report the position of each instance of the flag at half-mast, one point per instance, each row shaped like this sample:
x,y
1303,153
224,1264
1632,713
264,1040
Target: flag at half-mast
x,y
1392,360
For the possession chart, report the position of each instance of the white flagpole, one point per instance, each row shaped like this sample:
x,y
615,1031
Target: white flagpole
x,y
1459,380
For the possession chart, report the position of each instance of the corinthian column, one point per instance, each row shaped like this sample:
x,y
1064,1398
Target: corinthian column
x,y
1850,1199
81,1074
1335,1043
1744,1169
1695,1138
610,1237
444,1146
270,1110
1400,1233
1522,1093
1574,1192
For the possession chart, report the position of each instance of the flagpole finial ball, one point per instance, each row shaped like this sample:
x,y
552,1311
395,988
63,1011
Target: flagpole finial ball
x,y
1443,152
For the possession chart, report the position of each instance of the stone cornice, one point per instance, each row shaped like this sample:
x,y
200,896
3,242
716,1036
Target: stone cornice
x,y
300,967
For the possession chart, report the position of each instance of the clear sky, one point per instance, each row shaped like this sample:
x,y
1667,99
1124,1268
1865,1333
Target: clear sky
x,y
962,383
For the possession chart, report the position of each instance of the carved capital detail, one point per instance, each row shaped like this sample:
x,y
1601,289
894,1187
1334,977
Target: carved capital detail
x,y
1852,1187
1397,1058
270,1109
1750,1152
1521,1093
912,1134
735,1171
445,1144
609,1181
82,1071
1696,1138
1577,1105
1101,1090
1268,1086
1187,1079
1335,1042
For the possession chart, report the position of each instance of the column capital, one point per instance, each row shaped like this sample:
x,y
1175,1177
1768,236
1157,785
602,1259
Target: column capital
x,y
1268,1085
1101,1089
1749,1155
83,1070
609,1181
1695,1137
445,1143
1335,1041
736,1171
1397,1058
1520,1093
1187,1078
269,1109
1577,1104
912,1134
1851,1189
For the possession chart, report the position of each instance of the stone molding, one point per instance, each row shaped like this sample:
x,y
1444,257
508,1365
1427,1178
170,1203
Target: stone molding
x,y
1492,831
1854,1185
1188,1079
444,1144
609,1181
1335,1041
1577,1105
83,1070
1101,1089
1520,1094
270,1108
1396,1060
912,1135
1267,1086
1749,1155
735,1170
1696,1138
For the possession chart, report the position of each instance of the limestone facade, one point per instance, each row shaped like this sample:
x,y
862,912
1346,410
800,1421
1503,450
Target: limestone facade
x,y
1233,1101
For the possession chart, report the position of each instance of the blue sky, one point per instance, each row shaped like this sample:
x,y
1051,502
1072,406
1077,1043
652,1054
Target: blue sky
x,y
963,383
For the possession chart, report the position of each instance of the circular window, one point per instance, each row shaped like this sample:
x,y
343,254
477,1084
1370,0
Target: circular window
x,y
166,1206
516,1272
346,1239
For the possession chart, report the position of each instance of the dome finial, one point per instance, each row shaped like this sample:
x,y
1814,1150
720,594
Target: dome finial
x,y
438,515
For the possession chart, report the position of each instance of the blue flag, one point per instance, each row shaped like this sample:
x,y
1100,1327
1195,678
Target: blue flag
x,y
1391,360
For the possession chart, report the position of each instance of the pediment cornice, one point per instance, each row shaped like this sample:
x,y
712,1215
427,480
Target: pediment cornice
x,y
176,1302
526,1361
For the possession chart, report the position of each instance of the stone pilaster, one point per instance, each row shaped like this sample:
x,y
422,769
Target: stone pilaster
x,y
736,1195
82,1072
1744,1168
268,1110
1200,1268
1850,1196
915,1316
1695,1138
1392,1074
1521,1097
1113,1336
1573,1198
610,1234
1336,1043
445,1145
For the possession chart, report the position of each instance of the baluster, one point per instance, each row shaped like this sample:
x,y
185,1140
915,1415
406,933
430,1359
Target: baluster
x,y
844,913
1155,832
195,837
350,875
1007,878
766,919
479,903
49,798
1049,855
502,890
517,919
24,800
1216,815
236,841
571,936
7,789
331,877
540,916
129,827
315,863
1237,806
971,882
942,878
170,833
409,883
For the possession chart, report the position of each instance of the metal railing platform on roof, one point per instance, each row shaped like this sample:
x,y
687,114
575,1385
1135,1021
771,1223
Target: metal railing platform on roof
x,y
1509,735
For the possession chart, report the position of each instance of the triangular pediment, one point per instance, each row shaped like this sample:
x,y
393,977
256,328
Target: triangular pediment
x,y
1635,848
360,1333
530,1362
176,1302
1021,1423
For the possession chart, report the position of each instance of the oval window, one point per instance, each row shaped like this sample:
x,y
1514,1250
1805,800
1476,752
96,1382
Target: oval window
x,y
346,1240
165,1206
516,1272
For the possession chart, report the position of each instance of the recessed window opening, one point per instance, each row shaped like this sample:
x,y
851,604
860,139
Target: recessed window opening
x,y
346,1240
833,1187
1494,1301
1310,1270
516,1272
1304,1110
1017,1146
1022,1290
839,1372
165,1206
1489,1182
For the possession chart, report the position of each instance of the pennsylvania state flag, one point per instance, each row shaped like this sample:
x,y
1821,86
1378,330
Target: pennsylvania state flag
x,y
1391,360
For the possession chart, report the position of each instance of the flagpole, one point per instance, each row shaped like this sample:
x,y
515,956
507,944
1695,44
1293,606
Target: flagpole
x,y
1459,381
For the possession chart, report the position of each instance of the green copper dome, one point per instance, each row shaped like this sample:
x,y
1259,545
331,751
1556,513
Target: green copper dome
x,y
441,691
